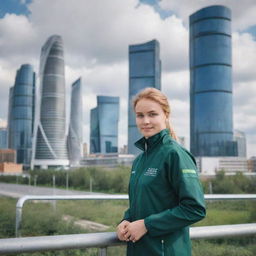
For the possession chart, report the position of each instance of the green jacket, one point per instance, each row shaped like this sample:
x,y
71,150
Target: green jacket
x,y
165,191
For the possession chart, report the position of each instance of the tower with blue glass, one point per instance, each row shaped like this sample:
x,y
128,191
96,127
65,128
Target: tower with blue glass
x,y
3,137
104,125
211,115
21,114
144,71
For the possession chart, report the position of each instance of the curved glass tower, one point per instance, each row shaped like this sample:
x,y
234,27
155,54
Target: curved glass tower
x,y
75,136
50,145
104,125
211,116
21,114
144,71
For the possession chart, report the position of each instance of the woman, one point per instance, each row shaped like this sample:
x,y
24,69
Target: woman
x,y
165,194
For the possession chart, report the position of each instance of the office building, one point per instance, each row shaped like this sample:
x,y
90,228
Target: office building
x,y
21,114
50,140
252,164
230,165
211,113
240,139
85,150
104,125
8,155
3,137
75,136
8,162
144,71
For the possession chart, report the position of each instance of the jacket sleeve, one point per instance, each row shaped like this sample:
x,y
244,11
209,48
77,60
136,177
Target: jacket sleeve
x,y
126,215
183,178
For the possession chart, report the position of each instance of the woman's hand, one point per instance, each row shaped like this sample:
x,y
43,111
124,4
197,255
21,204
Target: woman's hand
x,y
135,230
121,230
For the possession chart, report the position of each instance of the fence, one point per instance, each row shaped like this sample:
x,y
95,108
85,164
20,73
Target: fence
x,y
23,199
107,239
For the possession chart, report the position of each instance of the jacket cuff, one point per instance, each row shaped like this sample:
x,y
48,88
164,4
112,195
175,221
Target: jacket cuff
x,y
147,224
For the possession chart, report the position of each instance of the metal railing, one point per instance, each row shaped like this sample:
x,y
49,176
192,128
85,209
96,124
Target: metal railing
x,y
107,239
23,199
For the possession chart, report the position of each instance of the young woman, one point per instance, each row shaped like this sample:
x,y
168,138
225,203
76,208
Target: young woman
x,y
165,194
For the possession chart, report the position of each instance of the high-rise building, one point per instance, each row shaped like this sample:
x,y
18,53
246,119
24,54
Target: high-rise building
x,y
211,115
75,136
10,123
3,137
104,125
85,150
50,140
240,139
144,71
21,114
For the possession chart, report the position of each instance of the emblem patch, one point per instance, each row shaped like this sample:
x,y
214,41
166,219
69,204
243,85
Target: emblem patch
x,y
151,172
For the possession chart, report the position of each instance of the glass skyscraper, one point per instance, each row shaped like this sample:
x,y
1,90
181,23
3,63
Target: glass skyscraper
x,y
240,138
3,138
75,136
211,116
104,125
21,114
144,71
50,141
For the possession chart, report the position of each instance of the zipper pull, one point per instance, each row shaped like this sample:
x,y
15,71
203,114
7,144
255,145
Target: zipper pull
x,y
162,241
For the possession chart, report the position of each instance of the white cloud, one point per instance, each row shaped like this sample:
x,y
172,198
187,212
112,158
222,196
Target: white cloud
x,y
242,17
244,57
3,123
96,37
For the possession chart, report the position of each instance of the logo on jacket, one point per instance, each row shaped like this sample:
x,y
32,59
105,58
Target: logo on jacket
x,y
151,172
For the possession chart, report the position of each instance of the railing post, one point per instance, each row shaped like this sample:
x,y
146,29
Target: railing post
x,y
103,251
18,221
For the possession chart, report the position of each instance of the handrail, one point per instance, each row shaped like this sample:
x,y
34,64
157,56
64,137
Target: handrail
x,y
106,239
23,199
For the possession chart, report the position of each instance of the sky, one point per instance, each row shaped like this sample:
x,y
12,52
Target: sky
x,y
96,37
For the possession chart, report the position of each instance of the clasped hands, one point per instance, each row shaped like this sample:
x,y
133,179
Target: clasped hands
x,y
131,231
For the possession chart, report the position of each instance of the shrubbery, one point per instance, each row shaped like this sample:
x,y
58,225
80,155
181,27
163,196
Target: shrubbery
x,y
116,180
235,184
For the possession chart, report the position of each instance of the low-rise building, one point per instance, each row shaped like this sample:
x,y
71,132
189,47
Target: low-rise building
x,y
231,165
252,164
10,168
8,162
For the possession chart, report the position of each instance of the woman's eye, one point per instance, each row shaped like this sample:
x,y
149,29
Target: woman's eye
x,y
139,115
152,114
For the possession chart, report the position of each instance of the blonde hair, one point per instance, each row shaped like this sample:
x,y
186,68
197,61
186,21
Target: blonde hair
x,y
158,97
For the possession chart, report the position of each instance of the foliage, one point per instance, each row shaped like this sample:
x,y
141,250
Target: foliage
x,y
45,219
233,184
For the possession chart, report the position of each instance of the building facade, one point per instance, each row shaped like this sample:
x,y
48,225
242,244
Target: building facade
x,y
252,164
104,125
230,165
3,138
75,135
21,114
211,114
240,139
144,71
50,140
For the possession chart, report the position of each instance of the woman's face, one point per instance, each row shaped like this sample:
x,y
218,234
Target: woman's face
x,y
150,117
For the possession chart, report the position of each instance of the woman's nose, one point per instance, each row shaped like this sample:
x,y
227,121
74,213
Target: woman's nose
x,y
145,120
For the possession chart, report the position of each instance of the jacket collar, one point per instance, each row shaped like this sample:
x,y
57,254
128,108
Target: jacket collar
x,y
145,144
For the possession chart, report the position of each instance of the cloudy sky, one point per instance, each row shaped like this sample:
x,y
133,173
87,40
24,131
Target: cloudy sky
x,y
96,36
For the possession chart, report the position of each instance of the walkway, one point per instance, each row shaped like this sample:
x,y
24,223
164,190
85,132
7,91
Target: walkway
x,y
17,191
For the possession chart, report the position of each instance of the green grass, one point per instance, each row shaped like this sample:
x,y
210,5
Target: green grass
x,y
41,218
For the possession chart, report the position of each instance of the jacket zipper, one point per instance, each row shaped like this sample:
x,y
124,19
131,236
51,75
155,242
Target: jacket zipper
x,y
137,180
162,242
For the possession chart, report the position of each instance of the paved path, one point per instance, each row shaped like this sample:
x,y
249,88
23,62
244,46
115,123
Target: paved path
x,y
17,191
